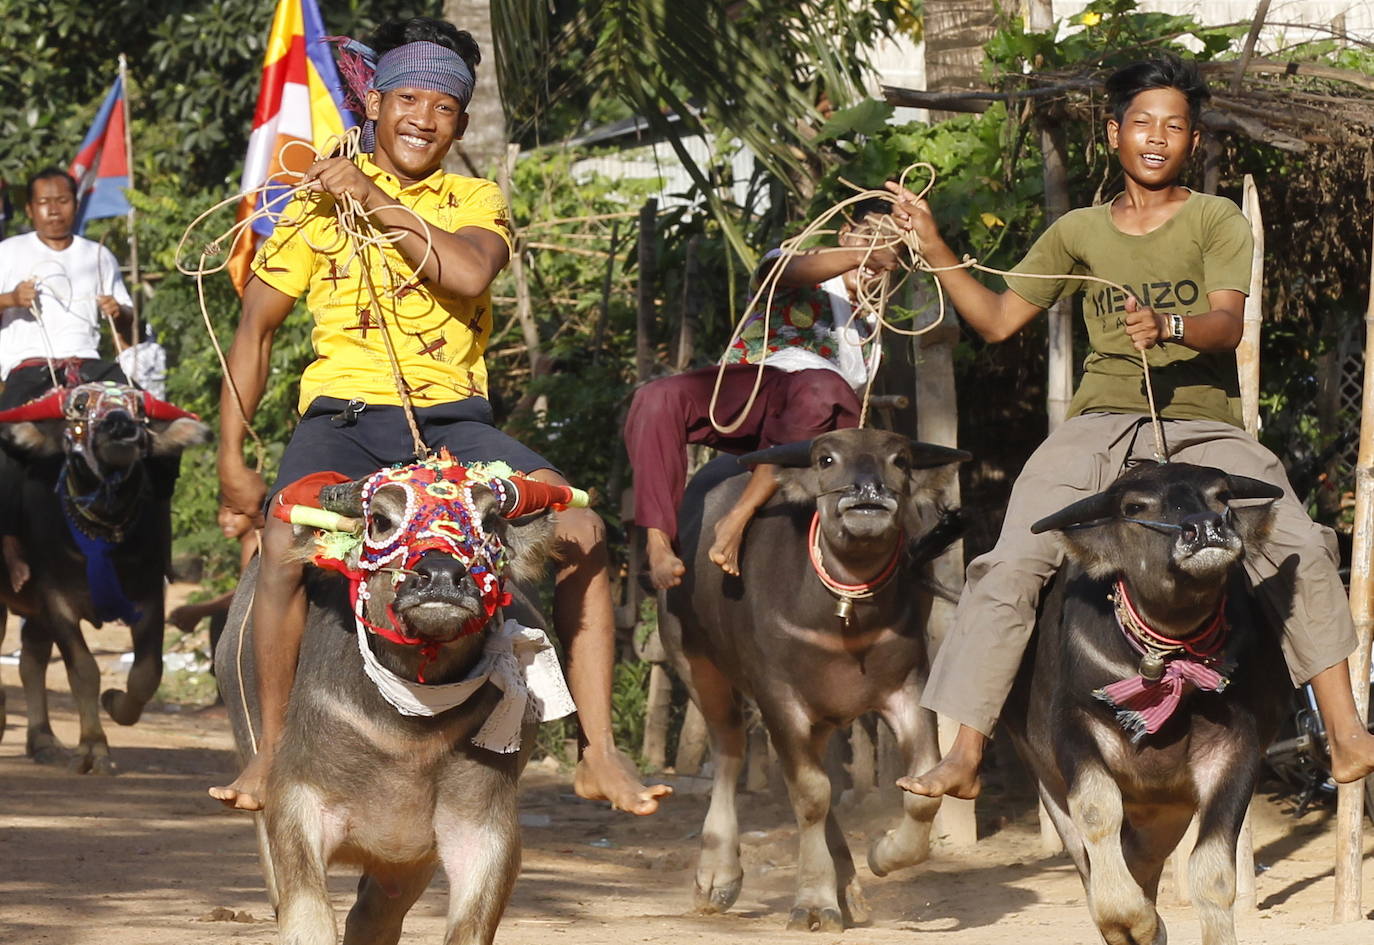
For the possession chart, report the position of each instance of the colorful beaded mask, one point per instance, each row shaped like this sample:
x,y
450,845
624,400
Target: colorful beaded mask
x,y
439,514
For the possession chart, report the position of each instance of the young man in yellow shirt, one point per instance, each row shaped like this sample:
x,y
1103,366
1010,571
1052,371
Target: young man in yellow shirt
x,y
432,286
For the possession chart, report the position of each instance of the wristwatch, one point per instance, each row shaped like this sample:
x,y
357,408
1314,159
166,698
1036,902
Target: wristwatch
x,y
1175,327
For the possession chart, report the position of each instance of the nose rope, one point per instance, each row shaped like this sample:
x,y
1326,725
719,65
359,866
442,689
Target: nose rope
x,y
1150,523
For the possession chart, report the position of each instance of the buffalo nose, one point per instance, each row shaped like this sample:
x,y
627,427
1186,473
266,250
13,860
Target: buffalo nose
x,y
1201,527
118,425
437,568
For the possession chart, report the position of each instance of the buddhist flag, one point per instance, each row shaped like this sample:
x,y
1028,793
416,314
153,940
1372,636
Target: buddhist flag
x,y
101,166
301,99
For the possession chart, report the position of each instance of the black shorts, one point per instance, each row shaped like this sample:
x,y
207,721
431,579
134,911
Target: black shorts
x,y
357,439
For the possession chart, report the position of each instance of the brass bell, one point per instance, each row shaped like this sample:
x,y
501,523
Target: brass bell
x,y
844,609
1152,667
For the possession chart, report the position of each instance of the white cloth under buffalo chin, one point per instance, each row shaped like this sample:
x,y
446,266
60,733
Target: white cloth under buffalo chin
x,y
520,661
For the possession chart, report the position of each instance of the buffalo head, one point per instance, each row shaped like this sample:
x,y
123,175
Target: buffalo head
x,y
1166,529
109,426
866,485
433,544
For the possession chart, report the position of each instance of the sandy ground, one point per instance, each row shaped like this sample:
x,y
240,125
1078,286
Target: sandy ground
x,y
145,858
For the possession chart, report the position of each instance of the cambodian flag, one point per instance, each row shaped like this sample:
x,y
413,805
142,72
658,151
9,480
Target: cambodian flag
x,y
101,167
301,100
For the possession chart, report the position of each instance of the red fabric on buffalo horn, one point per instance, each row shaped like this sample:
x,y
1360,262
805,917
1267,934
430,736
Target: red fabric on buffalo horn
x,y
161,410
47,407
527,496
304,491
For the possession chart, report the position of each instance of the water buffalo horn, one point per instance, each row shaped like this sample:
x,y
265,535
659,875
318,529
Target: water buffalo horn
x,y
161,410
48,407
1091,509
345,498
1243,487
928,455
527,496
789,454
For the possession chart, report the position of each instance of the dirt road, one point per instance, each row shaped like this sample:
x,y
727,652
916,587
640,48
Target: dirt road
x,y
145,858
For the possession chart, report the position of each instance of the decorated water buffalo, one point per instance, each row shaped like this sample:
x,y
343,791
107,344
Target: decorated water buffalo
x,y
825,622
419,687
1153,687
94,521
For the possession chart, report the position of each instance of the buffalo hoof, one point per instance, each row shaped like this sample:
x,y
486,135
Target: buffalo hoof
x,y
52,755
811,919
718,897
886,854
120,707
855,905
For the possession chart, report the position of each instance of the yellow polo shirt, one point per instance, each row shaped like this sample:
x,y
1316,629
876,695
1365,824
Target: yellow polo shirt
x,y
439,338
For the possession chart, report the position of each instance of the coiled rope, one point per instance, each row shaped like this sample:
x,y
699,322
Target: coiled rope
x,y
872,295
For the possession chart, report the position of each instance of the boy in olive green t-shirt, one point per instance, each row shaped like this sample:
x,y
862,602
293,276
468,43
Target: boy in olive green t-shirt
x,y
1186,258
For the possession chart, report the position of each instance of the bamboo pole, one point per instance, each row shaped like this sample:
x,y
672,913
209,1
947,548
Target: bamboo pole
x,y
644,320
1247,352
1350,797
129,160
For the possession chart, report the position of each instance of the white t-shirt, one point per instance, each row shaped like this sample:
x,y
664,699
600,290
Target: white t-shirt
x,y
68,282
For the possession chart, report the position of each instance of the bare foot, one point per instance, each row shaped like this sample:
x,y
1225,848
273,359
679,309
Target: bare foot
x,y
15,562
612,777
1352,756
729,534
665,567
249,789
950,777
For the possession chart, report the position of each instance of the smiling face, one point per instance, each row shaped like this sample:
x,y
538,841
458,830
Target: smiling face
x,y
1155,137
415,129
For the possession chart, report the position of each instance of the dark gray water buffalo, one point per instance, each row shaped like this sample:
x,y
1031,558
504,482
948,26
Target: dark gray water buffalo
x,y
376,768
95,526
826,622
1119,708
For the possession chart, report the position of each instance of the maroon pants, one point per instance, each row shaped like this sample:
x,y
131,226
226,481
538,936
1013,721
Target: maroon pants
x,y
671,412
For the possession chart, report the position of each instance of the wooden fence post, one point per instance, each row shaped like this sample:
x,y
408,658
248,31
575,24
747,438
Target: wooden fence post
x,y
1350,797
937,421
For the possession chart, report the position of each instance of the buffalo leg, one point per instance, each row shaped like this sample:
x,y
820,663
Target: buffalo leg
x,y
1152,833
719,874
1117,903
915,730
4,618
83,675
479,845
379,910
300,853
34,655
125,707
825,870
1212,867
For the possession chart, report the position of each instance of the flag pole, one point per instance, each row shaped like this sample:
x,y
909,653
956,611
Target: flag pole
x,y
134,292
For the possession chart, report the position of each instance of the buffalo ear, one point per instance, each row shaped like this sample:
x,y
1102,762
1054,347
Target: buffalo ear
x,y
789,454
1243,487
171,437
35,438
346,498
1091,509
928,455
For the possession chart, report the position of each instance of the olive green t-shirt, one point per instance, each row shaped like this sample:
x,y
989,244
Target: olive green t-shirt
x,y
1205,247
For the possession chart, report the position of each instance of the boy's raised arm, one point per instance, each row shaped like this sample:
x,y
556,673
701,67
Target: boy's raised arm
x,y
996,316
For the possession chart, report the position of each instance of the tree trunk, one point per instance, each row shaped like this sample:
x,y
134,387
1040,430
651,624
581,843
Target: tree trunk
x,y
955,33
482,148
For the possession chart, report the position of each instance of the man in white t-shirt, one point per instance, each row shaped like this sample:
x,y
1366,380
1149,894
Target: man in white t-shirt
x,y
55,290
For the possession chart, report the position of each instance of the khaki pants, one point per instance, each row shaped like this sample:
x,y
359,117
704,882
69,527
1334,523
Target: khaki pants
x,y
977,662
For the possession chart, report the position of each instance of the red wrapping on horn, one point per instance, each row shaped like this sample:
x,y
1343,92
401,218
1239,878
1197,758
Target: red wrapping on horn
x,y
47,407
527,496
161,410
304,491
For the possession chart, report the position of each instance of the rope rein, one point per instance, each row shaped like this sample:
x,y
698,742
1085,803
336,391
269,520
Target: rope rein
x,y
872,295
